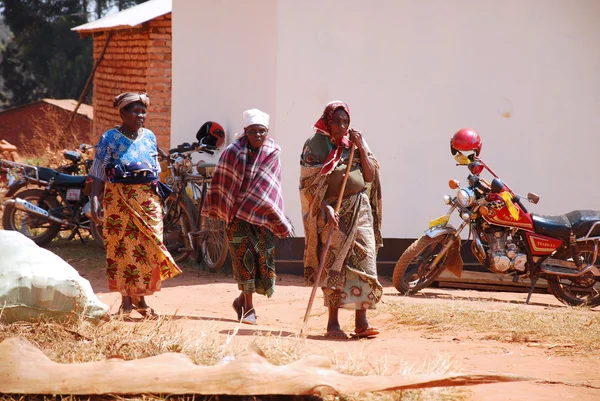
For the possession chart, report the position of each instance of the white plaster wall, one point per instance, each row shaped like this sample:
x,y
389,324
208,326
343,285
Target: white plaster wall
x,y
523,73
224,62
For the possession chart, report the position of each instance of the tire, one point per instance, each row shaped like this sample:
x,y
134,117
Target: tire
x,y
577,291
212,247
409,278
178,221
38,229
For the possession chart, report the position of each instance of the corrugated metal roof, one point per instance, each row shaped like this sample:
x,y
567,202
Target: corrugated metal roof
x,y
65,104
128,18
69,105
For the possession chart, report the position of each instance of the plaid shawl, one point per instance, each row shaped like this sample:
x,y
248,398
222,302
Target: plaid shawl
x,y
262,203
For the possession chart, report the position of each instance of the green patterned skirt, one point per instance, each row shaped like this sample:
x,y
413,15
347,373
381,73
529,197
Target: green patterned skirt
x,y
252,250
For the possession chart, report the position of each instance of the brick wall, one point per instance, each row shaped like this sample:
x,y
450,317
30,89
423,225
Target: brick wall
x,y
44,121
136,60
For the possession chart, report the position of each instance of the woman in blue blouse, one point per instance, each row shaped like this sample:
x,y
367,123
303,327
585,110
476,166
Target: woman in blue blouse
x,y
126,169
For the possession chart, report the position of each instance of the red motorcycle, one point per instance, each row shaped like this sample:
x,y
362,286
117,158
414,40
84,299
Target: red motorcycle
x,y
506,238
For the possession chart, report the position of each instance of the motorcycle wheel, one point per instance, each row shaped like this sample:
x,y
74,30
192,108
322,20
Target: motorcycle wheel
x,y
38,229
213,245
413,270
577,291
177,223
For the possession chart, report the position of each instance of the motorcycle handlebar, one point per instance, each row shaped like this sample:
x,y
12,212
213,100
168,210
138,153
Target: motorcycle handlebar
x,y
186,148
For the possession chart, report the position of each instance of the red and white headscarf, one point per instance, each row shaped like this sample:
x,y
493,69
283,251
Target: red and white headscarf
x,y
323,126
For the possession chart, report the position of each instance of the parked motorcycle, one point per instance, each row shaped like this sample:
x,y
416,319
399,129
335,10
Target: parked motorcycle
x,y
506,238
21,175
57,202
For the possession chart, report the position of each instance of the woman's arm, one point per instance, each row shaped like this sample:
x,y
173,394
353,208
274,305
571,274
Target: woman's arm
x,y
97,191
368,169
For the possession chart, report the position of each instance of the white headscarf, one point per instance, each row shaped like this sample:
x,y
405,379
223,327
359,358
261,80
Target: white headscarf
x,y
255,116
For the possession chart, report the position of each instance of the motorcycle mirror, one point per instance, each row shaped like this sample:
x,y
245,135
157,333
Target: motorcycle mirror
x,y
475,168
462,159
533,198
453,184
497,185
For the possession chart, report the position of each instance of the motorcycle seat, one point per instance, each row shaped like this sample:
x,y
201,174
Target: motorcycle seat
x,y
43,173
578,221
70,180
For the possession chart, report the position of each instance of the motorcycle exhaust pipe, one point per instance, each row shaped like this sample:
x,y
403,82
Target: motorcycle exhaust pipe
x,y
566,272
29,207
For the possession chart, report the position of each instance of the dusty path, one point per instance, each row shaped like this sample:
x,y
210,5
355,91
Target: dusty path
x,y
206,300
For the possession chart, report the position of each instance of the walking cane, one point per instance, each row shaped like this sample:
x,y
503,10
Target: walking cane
x,y
317,278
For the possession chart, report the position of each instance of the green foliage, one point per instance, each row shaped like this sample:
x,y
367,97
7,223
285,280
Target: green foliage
x,y
43,57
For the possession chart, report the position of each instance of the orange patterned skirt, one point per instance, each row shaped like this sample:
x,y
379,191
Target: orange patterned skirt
x,y
136,258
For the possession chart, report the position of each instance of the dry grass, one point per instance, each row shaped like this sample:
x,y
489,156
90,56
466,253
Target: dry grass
x,y
562,330
77,341
50,134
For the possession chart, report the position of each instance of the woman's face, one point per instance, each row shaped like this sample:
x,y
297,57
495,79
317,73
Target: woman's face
x,y
339,123
257,135
134,116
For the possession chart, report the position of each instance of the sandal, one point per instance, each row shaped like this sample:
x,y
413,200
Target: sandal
x,y
365,332
123,315
249,317
238,309
336,335
147,312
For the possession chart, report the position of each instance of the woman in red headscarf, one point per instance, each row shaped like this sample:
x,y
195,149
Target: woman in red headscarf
x,y
350,272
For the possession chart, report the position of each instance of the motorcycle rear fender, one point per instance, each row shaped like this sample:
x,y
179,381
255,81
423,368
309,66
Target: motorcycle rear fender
x,y
453,261
15,187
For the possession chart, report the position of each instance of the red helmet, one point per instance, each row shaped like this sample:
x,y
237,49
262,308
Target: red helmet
x,y
211,133
465,140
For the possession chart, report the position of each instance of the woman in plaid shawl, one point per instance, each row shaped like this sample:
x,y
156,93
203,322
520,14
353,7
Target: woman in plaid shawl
x,y
350,274
245,192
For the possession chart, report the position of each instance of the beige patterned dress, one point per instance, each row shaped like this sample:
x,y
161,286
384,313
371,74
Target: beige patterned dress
x,y
350,272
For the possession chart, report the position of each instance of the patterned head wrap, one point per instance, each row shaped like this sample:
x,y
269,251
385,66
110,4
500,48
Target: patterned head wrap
x,y
125,99
323,126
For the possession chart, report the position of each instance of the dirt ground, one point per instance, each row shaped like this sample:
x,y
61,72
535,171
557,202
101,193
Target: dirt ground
x,y
205,300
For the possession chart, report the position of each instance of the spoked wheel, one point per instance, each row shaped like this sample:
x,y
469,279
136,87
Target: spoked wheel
x,y
578,291
212,245
36,228
413,270
177,223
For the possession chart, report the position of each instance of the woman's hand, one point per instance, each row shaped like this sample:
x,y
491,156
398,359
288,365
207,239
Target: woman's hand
x,y
333,218
95,203
357,138
96,211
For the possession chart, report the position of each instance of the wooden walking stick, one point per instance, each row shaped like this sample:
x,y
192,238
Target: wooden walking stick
x,y
317,277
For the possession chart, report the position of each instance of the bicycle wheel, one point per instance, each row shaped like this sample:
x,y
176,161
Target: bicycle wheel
x,y
178,221
213,245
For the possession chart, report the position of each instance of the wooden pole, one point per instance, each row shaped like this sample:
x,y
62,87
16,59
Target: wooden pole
x,y
89,80
317,277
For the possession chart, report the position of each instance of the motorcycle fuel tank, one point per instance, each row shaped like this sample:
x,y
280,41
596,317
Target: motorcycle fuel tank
x,y
503,212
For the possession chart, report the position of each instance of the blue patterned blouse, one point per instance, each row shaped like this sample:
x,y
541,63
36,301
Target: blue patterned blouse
x,y
115,148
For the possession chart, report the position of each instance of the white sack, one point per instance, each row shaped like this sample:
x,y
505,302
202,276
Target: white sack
x,y
35,282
